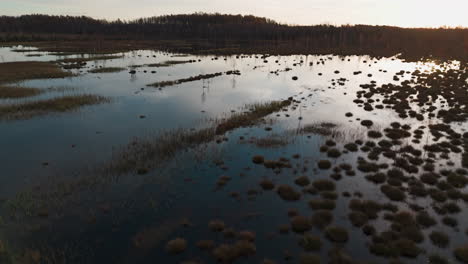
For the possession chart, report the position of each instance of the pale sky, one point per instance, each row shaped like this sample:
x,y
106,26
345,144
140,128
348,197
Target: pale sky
x,y
405,13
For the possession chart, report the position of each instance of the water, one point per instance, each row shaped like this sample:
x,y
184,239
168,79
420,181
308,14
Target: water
x,y
100,223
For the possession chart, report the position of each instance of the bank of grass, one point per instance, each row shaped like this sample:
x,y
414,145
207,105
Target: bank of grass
x,y
30,109
170,63
256,111
107,70
91,58
143,154
185,80
12,92
11,72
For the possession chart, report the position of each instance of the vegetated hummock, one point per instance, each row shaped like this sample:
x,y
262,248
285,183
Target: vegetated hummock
x,y
19,71
107,70
184,80
30,109
255,112
170,63
90,58
17,92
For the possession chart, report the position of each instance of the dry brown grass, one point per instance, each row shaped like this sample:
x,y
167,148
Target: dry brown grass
x,y
20,71
55,105
12,92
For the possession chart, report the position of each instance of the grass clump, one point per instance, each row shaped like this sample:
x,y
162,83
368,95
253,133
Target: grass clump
x,y
333,153
267,185
461,253
322,218
425,220
439,239
288,193
310,243
20,71
337,234
377,178
176,246
302,181
300,224
324,185
55,105
257,159
407,248
309,259
322,204
324,164
107,70
436,259
393,193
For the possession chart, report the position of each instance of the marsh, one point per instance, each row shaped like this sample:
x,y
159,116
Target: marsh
x,y
100,165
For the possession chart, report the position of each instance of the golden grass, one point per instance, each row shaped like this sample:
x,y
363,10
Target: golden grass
x,y
11,92
55,105
107,70
20,71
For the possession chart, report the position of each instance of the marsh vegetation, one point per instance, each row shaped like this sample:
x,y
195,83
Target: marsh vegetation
x,y
356,159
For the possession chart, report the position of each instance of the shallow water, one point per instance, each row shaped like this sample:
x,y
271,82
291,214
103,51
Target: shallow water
x,y
185,188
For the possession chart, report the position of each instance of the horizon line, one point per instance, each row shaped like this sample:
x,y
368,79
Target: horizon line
x,y
238,14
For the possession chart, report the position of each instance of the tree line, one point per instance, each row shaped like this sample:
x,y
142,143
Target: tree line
x,y
244,29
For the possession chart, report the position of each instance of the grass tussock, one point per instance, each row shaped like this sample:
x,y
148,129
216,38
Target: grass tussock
x,y
55,105
107,70
271,142
11,92
19,71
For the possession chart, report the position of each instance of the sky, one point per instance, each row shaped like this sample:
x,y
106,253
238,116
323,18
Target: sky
x,y
404,13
